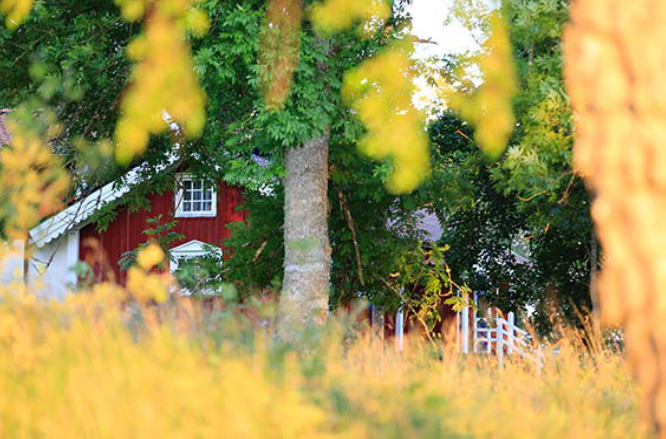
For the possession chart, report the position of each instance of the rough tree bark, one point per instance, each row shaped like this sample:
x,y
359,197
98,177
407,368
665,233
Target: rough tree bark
x,y
615,62
307,252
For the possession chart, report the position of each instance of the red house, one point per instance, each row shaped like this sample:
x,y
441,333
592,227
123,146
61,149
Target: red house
x,y
202,212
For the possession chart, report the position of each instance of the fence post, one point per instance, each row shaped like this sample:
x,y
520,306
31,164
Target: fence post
x,y
500,342
475,334
511,331
400,328
490,326
465,330
458,346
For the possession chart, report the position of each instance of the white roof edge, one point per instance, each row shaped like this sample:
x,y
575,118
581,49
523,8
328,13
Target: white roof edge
x,y
69,218
80,211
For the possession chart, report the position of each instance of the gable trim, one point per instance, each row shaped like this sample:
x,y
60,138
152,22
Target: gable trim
x,y
191,249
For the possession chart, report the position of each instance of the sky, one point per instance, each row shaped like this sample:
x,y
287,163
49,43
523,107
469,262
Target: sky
x,y
428,23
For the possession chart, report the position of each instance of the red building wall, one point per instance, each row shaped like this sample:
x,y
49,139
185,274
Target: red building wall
x,y
102,251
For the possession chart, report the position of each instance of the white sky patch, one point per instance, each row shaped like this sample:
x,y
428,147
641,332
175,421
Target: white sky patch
x,y
428,23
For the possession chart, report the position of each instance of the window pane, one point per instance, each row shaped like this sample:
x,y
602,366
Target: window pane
x,y
187,206
196,195
196,206
208,195
187,184
197,185
208,206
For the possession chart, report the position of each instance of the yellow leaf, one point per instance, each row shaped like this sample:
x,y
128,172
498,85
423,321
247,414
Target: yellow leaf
x,y
490,109
150,256
380,91
16,10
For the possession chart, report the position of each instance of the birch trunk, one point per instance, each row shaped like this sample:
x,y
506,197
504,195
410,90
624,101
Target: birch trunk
x,y
307,252
615,62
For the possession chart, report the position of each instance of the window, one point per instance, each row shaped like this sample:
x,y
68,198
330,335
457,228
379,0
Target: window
x,y
195,198
196,266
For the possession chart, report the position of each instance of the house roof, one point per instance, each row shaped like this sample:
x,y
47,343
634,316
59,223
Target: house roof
x,y
5,137
75,214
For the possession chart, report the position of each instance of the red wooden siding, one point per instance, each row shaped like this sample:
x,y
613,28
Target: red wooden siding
x,y
102,251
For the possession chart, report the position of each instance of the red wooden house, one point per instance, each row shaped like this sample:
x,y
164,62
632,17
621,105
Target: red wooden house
x,y
204,222
202,212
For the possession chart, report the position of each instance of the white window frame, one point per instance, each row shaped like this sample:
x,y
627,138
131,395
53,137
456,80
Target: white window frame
x,y
180,213
191,249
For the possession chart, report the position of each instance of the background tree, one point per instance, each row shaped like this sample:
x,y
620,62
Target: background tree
x,y
538,169
531,195
67,59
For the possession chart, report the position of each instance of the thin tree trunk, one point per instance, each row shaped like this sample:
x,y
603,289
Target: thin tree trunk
x,y
615,63
594,271
307,252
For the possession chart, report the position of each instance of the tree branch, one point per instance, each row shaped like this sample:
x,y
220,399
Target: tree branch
x,y
352,228
411,308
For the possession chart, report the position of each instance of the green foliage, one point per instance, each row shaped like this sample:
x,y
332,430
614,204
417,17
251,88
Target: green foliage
x,y
481,223
67,57
537,168
202,276
255,262
160,232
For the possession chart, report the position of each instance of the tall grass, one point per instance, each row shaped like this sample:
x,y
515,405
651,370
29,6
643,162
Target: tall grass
x,y
97,367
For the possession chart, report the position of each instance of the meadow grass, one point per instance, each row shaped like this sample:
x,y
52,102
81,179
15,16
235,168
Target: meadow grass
x,y
96,367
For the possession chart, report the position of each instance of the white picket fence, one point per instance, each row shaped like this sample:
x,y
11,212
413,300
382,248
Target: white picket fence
x,y
494,334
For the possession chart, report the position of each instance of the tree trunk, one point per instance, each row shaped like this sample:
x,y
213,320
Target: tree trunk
x,y
307,252
594,272
615,64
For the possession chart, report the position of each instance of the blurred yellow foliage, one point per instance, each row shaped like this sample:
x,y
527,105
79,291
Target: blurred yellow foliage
x,y
489,109
144,286
16,11
150,256
380,91
279,49
337,15
32,182
163,82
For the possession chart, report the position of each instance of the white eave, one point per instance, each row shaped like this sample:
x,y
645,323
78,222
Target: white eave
x,y
80,211
77,213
